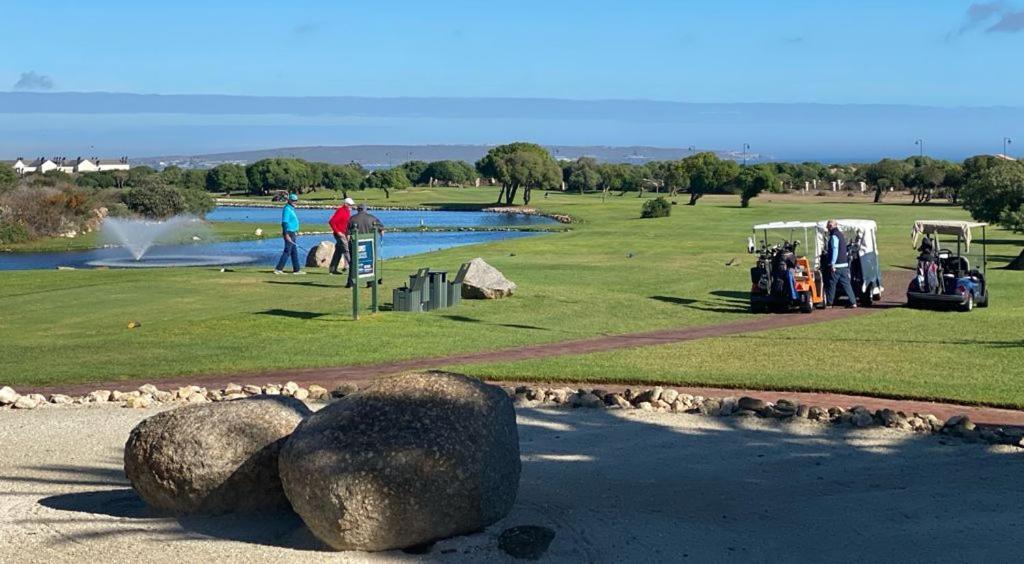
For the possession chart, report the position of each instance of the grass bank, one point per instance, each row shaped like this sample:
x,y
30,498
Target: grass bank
x,y
613,273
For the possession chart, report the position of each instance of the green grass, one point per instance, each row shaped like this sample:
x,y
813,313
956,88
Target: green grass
x,y
612,273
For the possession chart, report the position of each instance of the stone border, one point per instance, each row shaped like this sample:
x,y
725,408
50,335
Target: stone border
x,y
657,399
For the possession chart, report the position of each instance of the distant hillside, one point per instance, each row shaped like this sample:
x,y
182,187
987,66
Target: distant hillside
x,y
377,156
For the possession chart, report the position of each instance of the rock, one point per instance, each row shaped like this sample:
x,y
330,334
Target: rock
x,y
343,390
319,255
661,405
140,402
411,459
212,458
318,393
650,396
61,399
483,281
862,417
585,399
960,425
557,396
25,402
196,397
679,406
8,396
233,389
252,390
803,411
729,406
272,390
645,406
752,404
149,389
289,388
163,396
99,396
301,394
669,395
621,402
527,542
118,396
710,406
236,396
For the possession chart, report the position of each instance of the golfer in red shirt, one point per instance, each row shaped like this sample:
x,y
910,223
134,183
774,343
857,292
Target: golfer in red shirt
x,y
339,225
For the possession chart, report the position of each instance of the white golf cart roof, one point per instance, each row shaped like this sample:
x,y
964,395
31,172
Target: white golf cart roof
x,y
961,229
785,225
864,231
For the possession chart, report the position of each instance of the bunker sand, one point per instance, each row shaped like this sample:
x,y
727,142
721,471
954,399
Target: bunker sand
x,y
611,484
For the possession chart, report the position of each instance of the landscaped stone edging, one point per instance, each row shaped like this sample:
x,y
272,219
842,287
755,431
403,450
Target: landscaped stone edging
x,y
656,399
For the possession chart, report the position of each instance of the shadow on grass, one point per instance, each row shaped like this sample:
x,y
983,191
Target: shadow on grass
x,y
464,319
291,313
305,283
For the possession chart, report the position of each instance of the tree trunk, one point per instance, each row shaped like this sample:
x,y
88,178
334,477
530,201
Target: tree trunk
x,y
501,194
387,193
510,195
694,196
878,194
526,195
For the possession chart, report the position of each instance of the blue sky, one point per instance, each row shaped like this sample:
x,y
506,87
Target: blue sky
x,y
929,52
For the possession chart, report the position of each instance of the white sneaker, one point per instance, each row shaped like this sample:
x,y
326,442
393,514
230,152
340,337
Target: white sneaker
x,y
300,273
278,272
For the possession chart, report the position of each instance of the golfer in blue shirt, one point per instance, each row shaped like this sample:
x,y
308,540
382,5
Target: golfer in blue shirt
x,y
289,230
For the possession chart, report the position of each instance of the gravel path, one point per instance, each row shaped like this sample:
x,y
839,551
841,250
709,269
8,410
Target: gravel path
x,y
613,485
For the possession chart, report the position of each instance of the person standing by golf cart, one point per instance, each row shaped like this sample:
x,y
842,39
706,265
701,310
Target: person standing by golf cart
x,y
339,226
835,266
362,222
289,231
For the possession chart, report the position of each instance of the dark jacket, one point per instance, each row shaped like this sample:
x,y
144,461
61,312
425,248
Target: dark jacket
x,y
836,246
365,222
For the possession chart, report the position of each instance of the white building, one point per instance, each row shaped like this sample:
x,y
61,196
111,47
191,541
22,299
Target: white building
x,y
70,166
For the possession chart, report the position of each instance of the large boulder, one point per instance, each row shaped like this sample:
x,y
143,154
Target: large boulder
x,y
409,460
483,281
320,255
214,457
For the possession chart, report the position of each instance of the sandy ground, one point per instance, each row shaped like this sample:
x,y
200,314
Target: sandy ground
x,y
615,486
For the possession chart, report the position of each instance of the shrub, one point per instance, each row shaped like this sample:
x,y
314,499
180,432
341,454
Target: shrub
x,y
13,232
157,201
196,202
658,207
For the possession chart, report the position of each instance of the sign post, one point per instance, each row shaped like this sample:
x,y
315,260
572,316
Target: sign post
x,y
365,259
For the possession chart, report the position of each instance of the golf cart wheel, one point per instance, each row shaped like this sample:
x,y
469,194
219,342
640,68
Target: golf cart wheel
x,y
968,304
983,302
806,306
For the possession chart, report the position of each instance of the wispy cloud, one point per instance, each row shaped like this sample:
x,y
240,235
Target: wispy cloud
x,y
32,80
1009,22
304,29
998,16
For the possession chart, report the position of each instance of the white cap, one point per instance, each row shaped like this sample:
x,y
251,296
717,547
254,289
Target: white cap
x,y
349,201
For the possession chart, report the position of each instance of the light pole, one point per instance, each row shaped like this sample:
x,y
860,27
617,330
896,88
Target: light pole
x,y
1006,141
920,143
746,147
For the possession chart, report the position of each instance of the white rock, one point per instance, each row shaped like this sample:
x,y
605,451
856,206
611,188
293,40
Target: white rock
x,y
61,399
99,396
148,389
25,402
289,388
232,389
8,396
301,394
483,281
141,402
252,390
196,397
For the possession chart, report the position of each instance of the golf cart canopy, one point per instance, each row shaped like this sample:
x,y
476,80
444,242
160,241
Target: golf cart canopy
x,y
960,229
784,225
864,231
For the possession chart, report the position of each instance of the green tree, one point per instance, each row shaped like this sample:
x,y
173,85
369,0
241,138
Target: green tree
x,y
137,173
344,177
387,179
996,194
8,178
157,201
414,171
886,173
293,175
450,172
582,175
520,165
924,180
193,179
709,174
227,178
170,175
752,181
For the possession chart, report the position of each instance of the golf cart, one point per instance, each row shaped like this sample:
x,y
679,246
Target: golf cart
x,y
862,249
783,279
945,277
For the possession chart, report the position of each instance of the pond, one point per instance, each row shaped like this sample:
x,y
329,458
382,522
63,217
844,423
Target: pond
x,y
264,252
311,219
